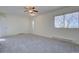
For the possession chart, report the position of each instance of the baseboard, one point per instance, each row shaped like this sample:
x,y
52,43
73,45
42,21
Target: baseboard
x,y
41,35
13,35
60,38
66,39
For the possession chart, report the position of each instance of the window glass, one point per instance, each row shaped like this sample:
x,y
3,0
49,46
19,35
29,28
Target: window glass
x,y
67,20
71,20
59,21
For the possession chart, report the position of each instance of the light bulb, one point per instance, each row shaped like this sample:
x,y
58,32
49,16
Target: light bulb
x,y
30,11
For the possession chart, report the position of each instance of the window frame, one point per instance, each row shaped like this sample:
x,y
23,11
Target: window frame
x,y
64,18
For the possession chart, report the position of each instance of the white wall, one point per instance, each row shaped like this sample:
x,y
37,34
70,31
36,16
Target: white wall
x,y
44,25
14,24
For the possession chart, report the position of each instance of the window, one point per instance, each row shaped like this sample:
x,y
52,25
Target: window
x,y
67,20
59,21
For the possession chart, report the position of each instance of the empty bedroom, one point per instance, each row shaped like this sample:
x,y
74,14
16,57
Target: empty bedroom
x,y
39,29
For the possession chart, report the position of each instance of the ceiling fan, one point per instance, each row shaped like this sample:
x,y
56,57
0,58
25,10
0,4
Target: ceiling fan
x,y
31,10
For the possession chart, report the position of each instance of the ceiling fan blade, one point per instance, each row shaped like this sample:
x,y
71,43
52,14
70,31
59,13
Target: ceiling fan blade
x,y
35,10
33,7
25,11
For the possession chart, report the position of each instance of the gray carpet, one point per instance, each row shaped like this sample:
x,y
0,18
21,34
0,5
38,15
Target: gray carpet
x,y
29,43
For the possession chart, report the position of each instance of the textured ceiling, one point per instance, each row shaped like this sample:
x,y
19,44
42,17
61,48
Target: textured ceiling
x,y
19,10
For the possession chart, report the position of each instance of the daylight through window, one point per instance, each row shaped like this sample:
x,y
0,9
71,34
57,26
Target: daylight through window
x,y
70,20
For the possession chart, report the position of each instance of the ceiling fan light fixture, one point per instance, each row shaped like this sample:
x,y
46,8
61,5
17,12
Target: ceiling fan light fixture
x,y
31,10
